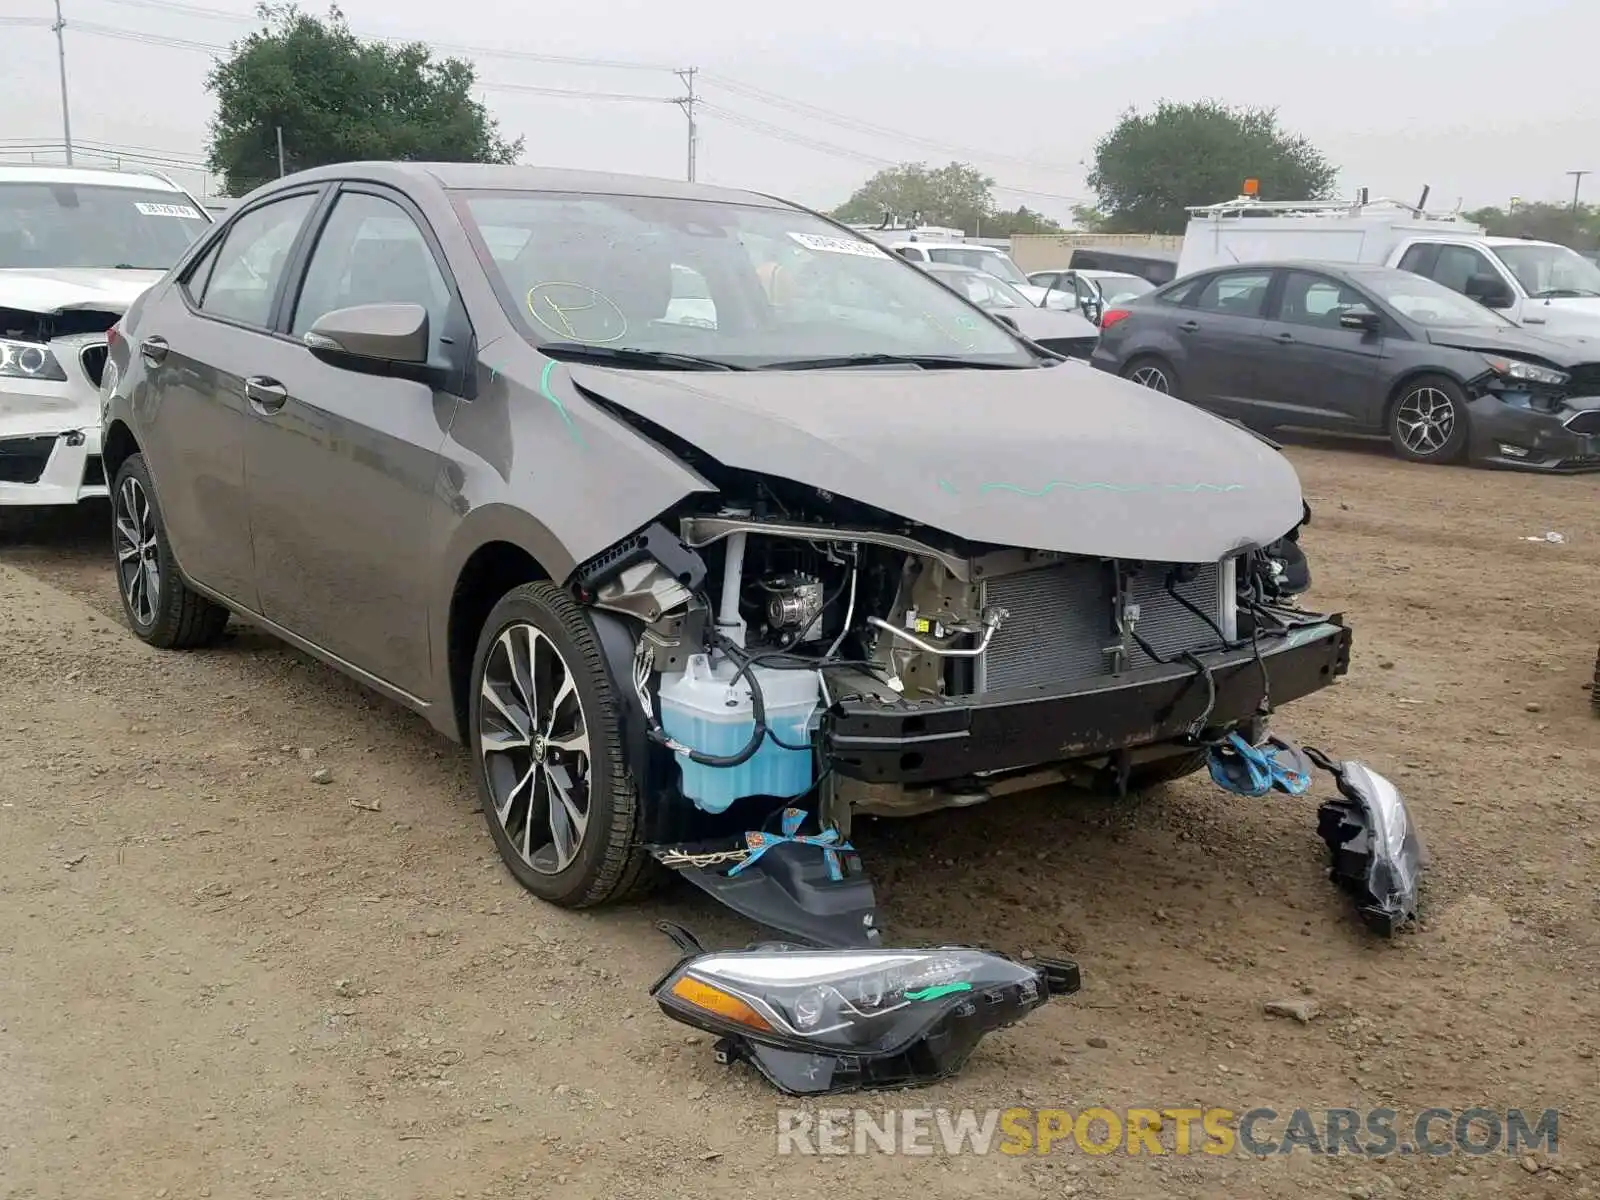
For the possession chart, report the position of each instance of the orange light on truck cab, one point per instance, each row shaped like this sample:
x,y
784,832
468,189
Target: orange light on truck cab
x,y
1252,187
715,1000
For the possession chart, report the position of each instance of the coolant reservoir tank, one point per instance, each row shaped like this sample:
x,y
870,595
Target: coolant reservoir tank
x,y
703,708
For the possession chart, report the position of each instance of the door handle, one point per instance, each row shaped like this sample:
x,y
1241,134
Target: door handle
x,y
153,350
266,396
1189,326
1284,337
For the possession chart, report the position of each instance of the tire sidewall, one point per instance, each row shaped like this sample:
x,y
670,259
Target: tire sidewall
x,y
134,467
549,609
1455,446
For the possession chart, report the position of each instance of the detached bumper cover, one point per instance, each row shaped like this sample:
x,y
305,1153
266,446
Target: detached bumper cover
x,y
937,740
1507,434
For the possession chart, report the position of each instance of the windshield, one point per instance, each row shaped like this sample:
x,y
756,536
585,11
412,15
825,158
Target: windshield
x,y
66,225
1430,303
994,262
1119,289
1551,272
741,285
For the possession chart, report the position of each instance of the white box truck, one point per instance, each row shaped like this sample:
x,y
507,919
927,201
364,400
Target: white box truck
x,y
1549,288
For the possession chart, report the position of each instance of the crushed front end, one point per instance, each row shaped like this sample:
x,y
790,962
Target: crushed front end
x,y
825,660
51,367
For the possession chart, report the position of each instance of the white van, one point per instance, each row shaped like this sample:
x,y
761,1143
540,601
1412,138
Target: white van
x,y
1546,287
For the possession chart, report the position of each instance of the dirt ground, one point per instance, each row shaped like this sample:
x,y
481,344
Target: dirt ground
x,y
220,978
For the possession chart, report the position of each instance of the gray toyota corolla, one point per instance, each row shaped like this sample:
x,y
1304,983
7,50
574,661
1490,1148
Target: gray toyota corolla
x,y
682,506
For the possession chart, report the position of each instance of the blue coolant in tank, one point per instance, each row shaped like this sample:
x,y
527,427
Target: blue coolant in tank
x,y
702,708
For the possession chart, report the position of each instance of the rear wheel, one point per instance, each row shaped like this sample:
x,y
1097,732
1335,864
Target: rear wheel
x,y
547,754
161,608
1154,373
1428,420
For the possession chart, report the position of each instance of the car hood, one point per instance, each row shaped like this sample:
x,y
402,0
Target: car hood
x,y
1047,323
1565,352
65,289
1062,459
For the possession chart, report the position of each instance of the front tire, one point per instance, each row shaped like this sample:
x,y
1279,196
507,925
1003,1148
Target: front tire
x,y
547,755
1157,374
161,608
1428,420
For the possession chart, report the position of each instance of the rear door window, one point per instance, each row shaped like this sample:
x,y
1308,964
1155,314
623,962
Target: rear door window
x,y
1234,293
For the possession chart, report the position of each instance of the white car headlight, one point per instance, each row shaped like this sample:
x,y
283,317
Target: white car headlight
x,y
1376,852
29,360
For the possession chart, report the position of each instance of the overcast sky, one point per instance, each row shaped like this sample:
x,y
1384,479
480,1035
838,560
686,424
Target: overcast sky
x,y
1481,99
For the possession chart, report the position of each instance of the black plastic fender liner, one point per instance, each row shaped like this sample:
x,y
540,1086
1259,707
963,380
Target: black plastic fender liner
x,y
650,764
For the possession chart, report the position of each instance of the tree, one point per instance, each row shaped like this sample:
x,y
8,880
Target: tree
x,y
957,196
1544,222
1152,166
337,98
1003,223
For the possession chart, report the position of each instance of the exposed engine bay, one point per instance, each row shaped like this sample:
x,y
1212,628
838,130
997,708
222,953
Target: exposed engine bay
x,y
763,622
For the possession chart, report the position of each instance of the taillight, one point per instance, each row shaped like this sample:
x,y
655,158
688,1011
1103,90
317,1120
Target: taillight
x,y
1112,316
113,336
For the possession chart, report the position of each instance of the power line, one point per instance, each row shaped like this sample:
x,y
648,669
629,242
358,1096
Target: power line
x,y
196,10
761,95
779,133
738,87
690,102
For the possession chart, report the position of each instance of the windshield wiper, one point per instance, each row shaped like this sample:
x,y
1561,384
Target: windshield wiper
x,y
631,356
926,361
1563,294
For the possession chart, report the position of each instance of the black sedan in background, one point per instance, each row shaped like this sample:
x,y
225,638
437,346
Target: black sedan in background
x,y
1363,350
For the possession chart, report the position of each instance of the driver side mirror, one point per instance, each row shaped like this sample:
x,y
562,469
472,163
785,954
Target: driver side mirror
x,y
1360,318
1091,310
374,339
1490,291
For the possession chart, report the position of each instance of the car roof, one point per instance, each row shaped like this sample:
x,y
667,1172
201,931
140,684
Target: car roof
x,y
85,177
945,268
1298,264
497,178
948,246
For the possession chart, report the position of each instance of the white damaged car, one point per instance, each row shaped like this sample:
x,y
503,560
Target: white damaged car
x,y
77,247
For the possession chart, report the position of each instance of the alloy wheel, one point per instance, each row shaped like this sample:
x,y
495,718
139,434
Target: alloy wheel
x,y
1425,419
1152,377
534,738
138,555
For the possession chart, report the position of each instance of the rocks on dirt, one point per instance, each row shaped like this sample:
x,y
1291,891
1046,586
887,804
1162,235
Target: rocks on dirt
x,y
1298,1008
1098,1043
322,775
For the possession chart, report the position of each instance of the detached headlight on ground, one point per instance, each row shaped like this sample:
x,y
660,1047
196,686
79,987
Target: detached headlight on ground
x,y
1376,853
28,360
818,1021
1512,368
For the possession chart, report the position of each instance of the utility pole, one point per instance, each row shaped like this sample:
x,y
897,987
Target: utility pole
x,y
61,54
280,152
687,103
1577,182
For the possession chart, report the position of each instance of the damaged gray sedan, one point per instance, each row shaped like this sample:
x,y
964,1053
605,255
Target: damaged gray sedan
x,y
704,521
